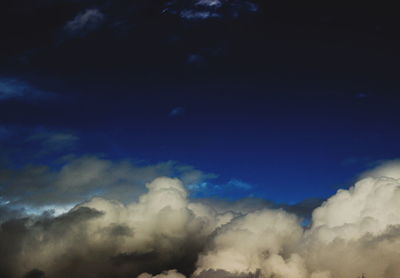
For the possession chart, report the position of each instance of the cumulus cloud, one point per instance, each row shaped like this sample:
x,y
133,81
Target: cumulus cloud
x,y
249,242
85,22
355,231
165,234
108,238
389,168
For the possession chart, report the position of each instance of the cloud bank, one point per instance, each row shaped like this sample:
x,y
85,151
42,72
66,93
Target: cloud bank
x,y
165,234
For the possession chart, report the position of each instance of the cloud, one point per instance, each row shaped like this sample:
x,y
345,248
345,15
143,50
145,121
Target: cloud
x,y
165,234
389,168
53,141
355,231
196,59
85,22
13,88
209,9
240,184
193,14
80,178
248,243
177,111
107,238
166,274
22,145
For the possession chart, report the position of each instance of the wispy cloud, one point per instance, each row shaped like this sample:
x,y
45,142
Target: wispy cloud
x,y
53,141
208,9
240,184
80,178
14,88
86,21
177,111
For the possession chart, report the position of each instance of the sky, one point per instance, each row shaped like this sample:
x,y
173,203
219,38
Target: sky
x,y
234,106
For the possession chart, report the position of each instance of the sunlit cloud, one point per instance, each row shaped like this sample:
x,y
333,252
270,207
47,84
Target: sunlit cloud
x,y
164,231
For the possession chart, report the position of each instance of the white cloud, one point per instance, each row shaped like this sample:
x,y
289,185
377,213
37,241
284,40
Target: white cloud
x,y
209,3
193,14
389,168
355,231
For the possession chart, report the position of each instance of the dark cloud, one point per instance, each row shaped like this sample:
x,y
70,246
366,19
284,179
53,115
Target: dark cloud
x,y
34,273
220,273
134,257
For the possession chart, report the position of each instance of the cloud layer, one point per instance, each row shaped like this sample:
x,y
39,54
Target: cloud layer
x,y
164,234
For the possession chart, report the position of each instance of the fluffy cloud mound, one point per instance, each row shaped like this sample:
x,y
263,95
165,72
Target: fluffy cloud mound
x,y
389,169
358,230
371,206
164,234
252,242
107,238
355,231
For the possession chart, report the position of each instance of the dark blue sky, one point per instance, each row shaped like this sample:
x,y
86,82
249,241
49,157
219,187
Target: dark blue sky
x,y
291,101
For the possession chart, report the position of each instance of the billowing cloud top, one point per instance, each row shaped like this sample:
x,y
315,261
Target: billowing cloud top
x,y
166,235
